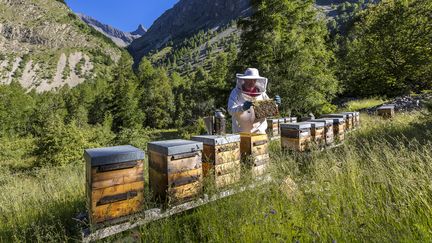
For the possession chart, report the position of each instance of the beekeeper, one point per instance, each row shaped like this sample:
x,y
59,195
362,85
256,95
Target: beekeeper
x,y
250,87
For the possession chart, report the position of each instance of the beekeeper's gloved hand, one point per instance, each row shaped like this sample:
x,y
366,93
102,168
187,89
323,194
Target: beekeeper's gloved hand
x,y
278,100
247,105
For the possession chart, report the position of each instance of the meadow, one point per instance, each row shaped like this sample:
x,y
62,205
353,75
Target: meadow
x,y
374,187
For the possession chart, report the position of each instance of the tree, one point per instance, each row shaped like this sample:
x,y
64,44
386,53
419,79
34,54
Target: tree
x,y
389,51
125,99
157,100
15,109
285,40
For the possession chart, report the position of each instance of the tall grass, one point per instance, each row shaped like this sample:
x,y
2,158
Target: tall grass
x,y
375,187
356,105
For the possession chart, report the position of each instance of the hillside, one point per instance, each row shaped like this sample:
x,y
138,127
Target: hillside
x,y
122,39
185,19
44,46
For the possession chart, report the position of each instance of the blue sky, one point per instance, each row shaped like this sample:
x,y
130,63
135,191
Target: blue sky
x,y
125,15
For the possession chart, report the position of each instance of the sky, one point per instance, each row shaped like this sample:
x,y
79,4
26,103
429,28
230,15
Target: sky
x,y
125,15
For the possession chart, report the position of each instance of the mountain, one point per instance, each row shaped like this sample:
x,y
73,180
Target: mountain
x,y
44,46
119,37
186,18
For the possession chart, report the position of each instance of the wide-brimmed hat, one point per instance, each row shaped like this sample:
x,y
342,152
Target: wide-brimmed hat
x,y
250,73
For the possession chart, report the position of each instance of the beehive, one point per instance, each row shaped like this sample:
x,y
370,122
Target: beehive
x,y
281,121
357,119
255,152
273,127
328,129
351,118
338,128
175,170
296,136
386,111
221,156
114,182
347,119
318,132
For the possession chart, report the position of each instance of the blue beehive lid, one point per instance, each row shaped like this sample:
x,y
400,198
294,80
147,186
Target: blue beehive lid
x,y
336,120
296,126
327,121
317,124
350,114
344,116
112,155
176,146
217,139
386,107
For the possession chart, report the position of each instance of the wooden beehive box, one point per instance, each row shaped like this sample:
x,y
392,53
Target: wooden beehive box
x,y
386,111
273,127
318,132
345,117
175,170
338,128
255,152
264,109
328,129
357,119
350,119
296,136
114,182
221,156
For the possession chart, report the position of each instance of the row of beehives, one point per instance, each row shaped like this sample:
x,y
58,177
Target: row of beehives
x,y
325,131
115,175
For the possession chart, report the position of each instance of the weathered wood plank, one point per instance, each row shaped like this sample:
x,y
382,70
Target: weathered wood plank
x,y
117,209
103,176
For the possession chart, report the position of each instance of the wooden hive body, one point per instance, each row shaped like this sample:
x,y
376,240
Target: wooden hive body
x,y
347,119
386,111
338,128
296,136
114,182
273,127
328,130
221,156
318,133
255,152
175,170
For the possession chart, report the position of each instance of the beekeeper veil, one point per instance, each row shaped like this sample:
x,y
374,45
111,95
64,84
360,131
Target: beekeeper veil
x,y
246,84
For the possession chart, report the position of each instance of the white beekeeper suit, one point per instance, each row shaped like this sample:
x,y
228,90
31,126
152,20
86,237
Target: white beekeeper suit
x,y
244,121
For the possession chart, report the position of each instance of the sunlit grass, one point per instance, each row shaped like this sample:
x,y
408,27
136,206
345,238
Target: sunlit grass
x,y
375,187
356,105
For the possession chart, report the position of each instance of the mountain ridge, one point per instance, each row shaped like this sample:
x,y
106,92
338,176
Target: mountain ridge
x,y
119,37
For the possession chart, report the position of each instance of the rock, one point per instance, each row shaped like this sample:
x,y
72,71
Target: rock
x,y
289,187
404,104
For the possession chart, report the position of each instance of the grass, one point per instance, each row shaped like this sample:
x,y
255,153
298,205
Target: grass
x,y
375,187
356,105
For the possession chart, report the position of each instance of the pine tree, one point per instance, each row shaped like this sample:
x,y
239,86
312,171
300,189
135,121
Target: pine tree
x,y
285,40
125,98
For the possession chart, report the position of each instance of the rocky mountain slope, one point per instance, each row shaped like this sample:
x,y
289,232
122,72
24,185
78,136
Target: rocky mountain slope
x,y
186,18
44,46
119,37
